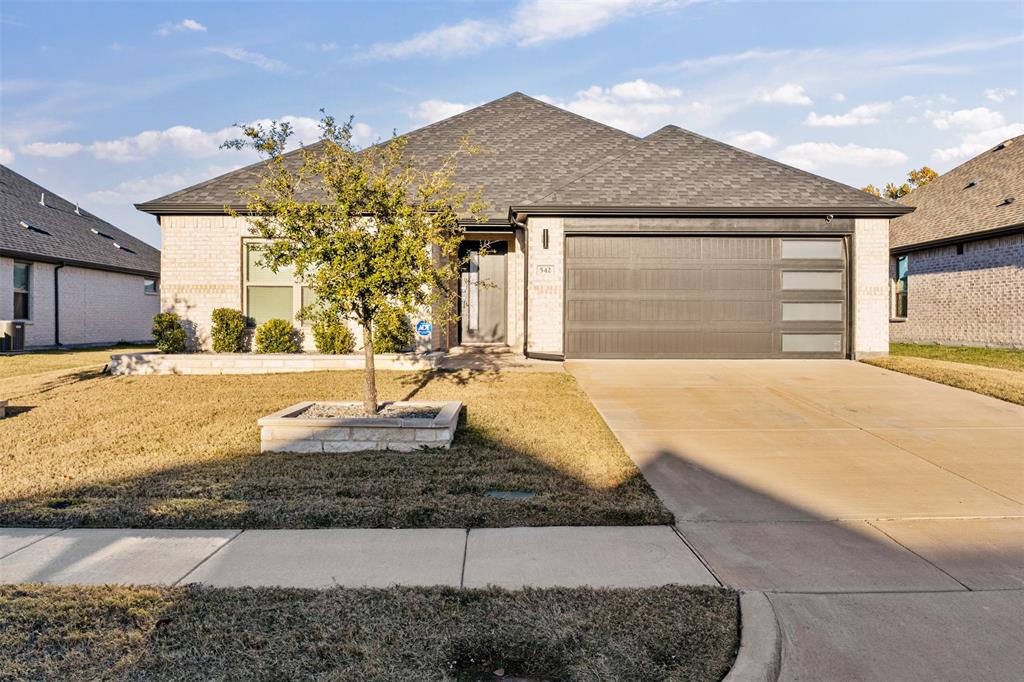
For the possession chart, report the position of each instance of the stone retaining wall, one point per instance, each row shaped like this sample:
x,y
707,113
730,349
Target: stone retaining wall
x,y
126,364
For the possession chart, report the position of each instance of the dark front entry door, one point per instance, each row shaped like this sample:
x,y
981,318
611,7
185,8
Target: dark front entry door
x,y
482,292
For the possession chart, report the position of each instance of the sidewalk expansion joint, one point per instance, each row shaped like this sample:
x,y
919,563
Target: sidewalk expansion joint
x,y
48,535
206,558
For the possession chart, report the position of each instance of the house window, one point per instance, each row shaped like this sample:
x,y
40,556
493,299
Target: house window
x,y
901,286
150,286
268,294
22,284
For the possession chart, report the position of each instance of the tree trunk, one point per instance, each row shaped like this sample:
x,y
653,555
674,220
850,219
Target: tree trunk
x,y
369,373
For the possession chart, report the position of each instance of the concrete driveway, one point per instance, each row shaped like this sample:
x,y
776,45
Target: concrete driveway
x,y
833,485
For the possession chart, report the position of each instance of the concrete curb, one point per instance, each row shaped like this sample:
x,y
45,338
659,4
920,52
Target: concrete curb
x,y
760,656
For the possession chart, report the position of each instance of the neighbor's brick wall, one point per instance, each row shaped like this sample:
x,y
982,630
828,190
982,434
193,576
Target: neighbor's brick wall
x,y
871,287
975,298
546,286
96,306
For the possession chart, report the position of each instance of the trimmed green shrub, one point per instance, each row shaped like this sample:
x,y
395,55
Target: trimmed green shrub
x,y
168,334
392,332
228,331
333,337
276,336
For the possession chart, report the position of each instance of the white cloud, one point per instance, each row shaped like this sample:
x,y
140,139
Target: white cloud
x,y
533,22
813,155
445,41
53,150
362,134
839,97
6,156
322,47
183,140
974,143
183,25
726,59
979,118
789,93
1000,94
637,106
865,114
541,21
432,110
755,140
255,58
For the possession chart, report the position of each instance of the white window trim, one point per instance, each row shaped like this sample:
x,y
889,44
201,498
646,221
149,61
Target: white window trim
x,y
296,285
27,292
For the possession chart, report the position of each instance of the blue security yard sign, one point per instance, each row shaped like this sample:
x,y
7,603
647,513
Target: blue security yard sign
x,y
423,328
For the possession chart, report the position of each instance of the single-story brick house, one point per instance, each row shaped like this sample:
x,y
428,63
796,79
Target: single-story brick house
x,y
604,245
72,278
958,260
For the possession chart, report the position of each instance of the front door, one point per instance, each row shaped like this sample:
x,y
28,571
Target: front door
x,y
482,292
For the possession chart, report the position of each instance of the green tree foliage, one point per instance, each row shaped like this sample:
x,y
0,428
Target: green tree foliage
x,y
276,336
228,331
392,332
168,334
333,337
366,230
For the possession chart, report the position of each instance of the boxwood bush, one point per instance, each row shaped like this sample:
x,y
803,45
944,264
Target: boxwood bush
x,y
392,332
333,337
228,331
276,336
168,334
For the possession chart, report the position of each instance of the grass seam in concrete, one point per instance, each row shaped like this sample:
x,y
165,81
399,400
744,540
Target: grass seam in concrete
x,y
48,535
206,558
759,658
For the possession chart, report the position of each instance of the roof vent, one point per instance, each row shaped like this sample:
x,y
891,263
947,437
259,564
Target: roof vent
x,y
101,234
123,248
78,211
24,224
42,199
1007,201
32,228
972,183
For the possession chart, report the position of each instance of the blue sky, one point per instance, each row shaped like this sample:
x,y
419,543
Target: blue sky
x,y
114,103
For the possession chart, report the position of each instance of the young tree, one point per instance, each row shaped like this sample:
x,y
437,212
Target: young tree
x,y
871,189
915,178
921,177
367,230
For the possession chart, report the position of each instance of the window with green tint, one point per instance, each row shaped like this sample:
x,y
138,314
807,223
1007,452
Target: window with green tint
x,y
257,273
268,303
309,298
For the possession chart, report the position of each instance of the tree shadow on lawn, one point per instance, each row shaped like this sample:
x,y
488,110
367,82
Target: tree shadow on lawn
x,y
578,472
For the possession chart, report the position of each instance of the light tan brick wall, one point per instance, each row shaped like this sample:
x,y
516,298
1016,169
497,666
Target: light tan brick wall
x,y
546,285
96,306
974,298
871,287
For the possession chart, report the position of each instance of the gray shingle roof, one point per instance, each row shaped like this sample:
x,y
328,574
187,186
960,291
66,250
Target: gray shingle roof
x,y
62,235
536,154
675,168
947,207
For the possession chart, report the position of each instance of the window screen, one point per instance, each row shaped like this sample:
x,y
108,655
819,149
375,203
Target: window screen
x,y
267,303
256,273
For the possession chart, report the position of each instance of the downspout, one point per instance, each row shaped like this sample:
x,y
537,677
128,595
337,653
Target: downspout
x,y
516,223
56,303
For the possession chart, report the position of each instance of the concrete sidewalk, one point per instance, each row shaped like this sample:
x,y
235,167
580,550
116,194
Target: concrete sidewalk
x,y
628,556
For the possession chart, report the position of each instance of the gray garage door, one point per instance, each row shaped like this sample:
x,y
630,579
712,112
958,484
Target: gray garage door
x,y
705,297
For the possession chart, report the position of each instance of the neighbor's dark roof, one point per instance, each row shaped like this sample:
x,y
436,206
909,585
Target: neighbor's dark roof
x,y
535,154
950,206
58,234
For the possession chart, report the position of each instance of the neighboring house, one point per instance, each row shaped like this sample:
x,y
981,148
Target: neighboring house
x,y
958,260
73,278
603,245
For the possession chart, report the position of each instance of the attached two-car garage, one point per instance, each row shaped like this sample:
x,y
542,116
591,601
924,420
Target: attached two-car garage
x,y
682,296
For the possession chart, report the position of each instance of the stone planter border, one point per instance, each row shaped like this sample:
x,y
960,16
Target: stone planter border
x,y
284,432
127,364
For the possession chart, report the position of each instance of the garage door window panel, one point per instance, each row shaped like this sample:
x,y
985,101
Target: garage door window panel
x,y
812,280
812,249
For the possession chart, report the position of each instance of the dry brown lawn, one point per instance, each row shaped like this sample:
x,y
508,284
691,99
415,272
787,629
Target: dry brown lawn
x,y
195,633
1005,384
87,449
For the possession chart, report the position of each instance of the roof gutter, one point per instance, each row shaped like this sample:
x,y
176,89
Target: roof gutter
x,y
707,212
24,255
959,239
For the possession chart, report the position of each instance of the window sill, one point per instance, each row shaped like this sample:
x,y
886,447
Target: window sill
x,y
150,293
897,319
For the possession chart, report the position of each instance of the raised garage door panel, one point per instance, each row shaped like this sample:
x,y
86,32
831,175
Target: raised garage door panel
x,y
704,297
